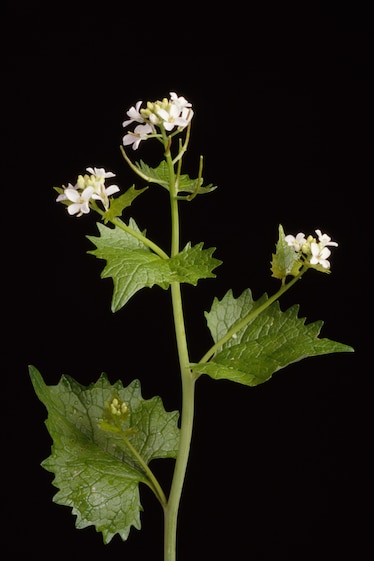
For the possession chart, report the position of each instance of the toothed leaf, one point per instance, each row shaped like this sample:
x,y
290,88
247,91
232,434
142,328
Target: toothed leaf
x,y
95,471
118,204
270,341
133,266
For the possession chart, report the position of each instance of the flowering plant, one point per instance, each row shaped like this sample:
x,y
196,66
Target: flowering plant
x,y
106,435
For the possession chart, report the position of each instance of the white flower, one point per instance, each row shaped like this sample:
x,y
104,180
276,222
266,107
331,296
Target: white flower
x,y
140,133
88,187
103,194
180,102
97,181
324,239
134,114
187,115
320,253
171,117
100,172
177,113
296,242
62,196
79,201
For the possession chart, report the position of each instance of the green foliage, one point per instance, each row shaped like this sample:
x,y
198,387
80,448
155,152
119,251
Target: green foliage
x,y
271,340
118,204
133,266
161,176
96,473
286,261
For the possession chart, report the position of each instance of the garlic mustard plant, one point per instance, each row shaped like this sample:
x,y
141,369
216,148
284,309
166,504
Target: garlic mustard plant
x,y
105,435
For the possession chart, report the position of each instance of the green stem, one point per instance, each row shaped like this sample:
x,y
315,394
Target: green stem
x,y
188,384
137,170
139,236
238,326
187,416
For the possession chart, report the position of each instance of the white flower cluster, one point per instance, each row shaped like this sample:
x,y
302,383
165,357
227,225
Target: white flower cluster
x,y
88,187
315,251
166,114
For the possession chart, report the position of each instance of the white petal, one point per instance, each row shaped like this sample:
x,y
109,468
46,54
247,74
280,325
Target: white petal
x,y
128,139
87,193
111,189
74,208
72,194
325,252
163,114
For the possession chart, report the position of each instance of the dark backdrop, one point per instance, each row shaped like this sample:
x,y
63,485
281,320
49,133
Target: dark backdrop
x,y
278,472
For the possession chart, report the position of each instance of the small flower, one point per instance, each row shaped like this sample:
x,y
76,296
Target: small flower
x,y
62,196
134,114
97,181
100,172
320,253
173,117
296,242
104,194
140,133
180,102
324,239
79,202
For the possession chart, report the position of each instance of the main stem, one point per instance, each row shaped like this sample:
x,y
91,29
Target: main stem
x,y
188,384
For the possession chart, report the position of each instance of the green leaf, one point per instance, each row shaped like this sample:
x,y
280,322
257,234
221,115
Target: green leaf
x,y
118,204
161,176
96,473
132,265
270,341
286,261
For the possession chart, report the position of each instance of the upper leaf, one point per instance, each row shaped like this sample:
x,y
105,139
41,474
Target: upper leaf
x,y
270,341
96,473
161,176
133,266
118,204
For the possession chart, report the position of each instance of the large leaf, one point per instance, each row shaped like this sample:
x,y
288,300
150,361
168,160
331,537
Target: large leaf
x,y
270,341
96,473
133,266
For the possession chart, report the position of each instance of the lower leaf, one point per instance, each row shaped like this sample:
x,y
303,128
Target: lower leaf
x,y
96,473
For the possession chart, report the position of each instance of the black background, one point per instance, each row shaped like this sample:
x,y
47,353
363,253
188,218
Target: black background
x,y
279,472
